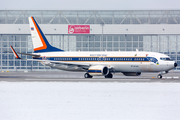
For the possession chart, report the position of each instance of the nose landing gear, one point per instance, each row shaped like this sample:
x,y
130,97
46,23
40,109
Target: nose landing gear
x,y
160,75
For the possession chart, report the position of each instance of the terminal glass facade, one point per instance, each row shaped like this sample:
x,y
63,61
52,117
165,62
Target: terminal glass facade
x,y
91,16
168,44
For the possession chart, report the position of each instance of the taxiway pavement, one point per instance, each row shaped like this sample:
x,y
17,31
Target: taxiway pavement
x,y
53,76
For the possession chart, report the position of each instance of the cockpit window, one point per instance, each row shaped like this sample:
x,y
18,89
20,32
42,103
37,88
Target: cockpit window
x,y
168,59
165,58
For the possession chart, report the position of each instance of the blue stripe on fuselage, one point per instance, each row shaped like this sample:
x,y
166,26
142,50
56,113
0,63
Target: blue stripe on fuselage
x,y
94,71
124,59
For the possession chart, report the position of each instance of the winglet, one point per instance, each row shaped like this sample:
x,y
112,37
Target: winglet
x,y
15,54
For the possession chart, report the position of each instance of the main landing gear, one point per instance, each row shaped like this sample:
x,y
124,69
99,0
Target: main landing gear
x,y
109,75
87,75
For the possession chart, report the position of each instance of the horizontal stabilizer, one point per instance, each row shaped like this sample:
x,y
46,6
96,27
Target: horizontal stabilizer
x,y
29,54
15,54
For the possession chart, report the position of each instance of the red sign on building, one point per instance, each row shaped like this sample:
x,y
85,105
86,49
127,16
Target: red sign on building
x,y
78,29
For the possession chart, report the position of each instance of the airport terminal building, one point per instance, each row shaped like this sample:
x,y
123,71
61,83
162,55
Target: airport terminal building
x,y
101,30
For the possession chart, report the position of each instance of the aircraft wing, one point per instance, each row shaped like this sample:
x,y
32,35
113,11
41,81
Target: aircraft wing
x,y
60,62
83,65
70,63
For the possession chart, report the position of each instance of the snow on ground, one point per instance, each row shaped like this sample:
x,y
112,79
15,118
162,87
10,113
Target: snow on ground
x,y
89,101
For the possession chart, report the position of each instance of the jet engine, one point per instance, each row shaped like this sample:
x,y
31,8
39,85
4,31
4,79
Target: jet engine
x,y
98,70
132,73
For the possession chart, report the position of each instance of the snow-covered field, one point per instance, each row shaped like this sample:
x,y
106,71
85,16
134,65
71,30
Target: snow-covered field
x,y
89,101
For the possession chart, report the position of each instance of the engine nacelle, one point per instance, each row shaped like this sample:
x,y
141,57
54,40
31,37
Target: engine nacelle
x,y
132,73
98,70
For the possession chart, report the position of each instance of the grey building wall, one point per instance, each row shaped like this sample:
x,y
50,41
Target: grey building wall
x,y
163,29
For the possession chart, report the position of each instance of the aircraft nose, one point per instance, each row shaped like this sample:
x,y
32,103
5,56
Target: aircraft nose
x,y
175,64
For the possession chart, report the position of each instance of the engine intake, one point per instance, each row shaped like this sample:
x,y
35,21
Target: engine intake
x,y
98,70
132,73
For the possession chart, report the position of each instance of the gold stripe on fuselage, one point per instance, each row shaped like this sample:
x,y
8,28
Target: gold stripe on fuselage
x,y
103,61
96,56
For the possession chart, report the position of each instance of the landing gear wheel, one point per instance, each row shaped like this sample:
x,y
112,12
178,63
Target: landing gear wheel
x,y
109,76
87,75
159,76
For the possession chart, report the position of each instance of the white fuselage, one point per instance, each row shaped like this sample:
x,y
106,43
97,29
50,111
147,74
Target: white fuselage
x,y
133,61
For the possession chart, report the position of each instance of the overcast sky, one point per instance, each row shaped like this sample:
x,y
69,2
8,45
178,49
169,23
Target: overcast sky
x,y
89,4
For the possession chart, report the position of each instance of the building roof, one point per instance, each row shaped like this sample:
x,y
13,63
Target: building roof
x,y
91,16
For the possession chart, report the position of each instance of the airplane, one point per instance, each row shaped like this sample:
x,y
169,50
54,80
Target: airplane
x,y
103,63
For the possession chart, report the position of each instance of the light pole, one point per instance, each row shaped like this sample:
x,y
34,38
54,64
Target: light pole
x,y
102,24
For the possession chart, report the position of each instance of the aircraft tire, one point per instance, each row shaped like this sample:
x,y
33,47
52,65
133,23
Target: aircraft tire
x,y
109,75
159,76
87,75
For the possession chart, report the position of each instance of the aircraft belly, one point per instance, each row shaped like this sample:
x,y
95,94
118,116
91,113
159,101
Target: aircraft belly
x,y
126,67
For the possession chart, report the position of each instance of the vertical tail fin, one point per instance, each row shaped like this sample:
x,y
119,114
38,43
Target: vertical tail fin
x,y
39,40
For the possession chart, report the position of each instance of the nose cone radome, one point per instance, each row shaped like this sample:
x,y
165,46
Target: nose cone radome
x,y
175,64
